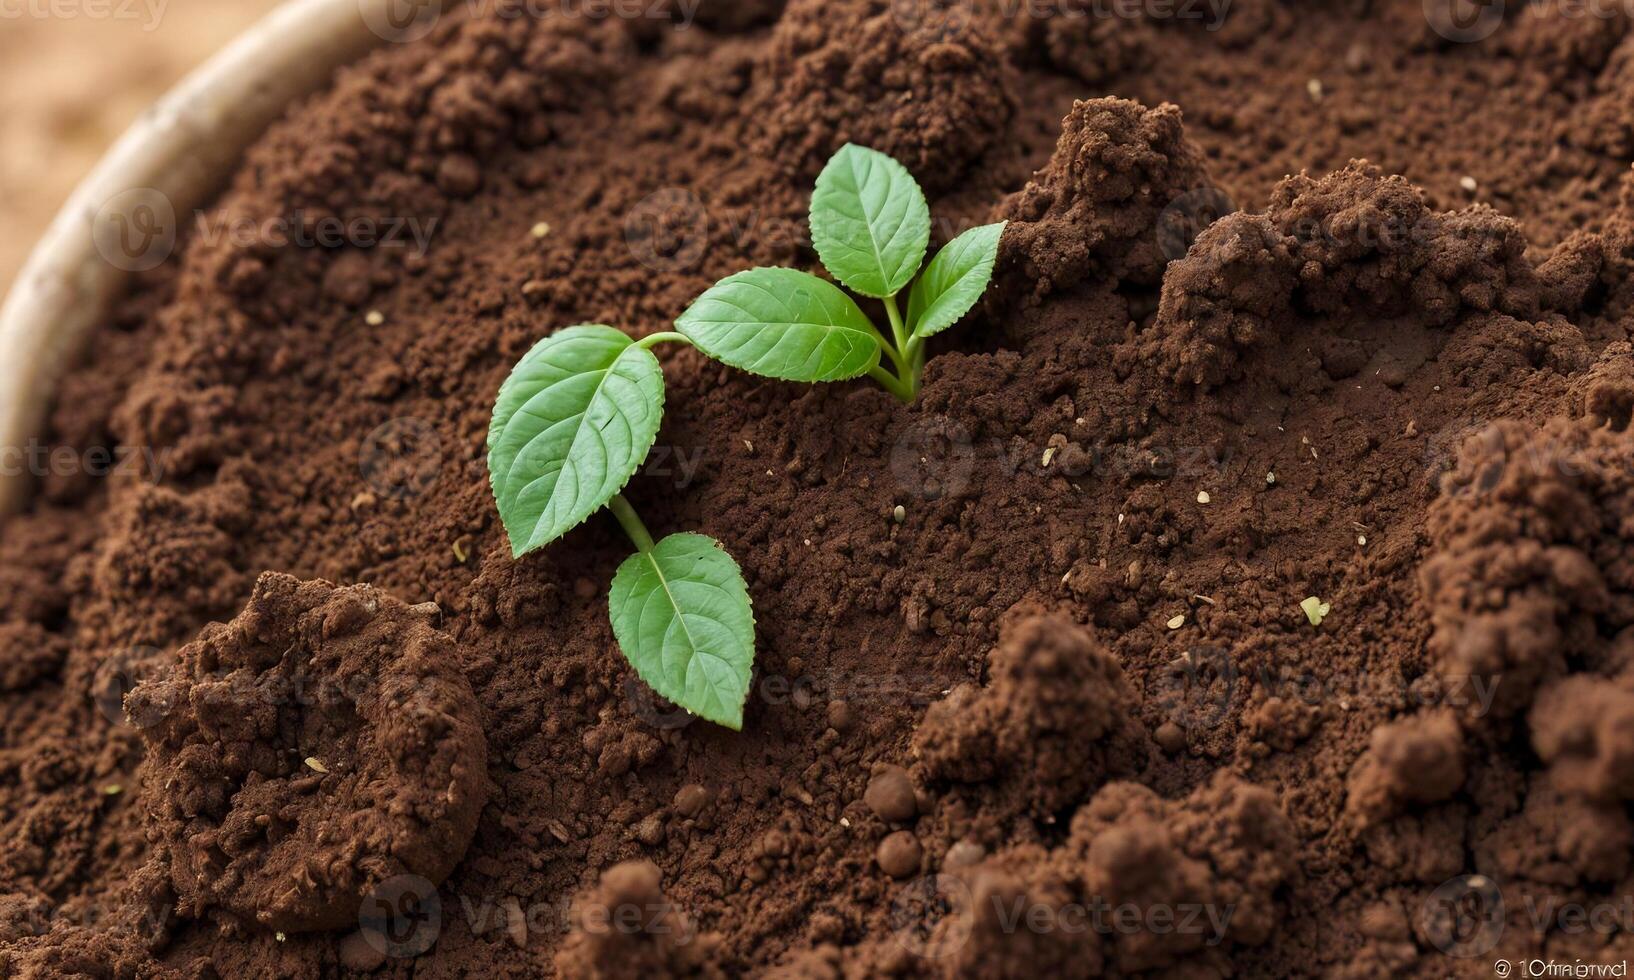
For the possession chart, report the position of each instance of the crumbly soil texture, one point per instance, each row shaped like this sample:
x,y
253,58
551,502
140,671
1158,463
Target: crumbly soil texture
x,y
1325,301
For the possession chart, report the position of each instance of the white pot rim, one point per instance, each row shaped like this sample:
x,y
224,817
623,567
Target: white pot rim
x,y
177,155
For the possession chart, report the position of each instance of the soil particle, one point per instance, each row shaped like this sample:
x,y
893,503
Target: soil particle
x,y
899,854
890,795
691,799
361,952
459,175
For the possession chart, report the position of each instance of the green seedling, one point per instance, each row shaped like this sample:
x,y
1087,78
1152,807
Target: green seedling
x,y
870,224
581,410
572,424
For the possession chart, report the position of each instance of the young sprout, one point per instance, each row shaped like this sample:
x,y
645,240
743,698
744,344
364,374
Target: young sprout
x,y
572,424
870,224
581,410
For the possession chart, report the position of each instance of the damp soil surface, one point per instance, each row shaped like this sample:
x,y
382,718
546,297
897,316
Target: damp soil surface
x,y
1324,301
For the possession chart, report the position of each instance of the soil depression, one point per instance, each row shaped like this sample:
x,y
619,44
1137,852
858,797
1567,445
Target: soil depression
x,y
1075,672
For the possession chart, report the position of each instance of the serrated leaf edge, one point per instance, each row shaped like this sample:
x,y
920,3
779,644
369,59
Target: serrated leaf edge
x,y
825,223
917,327
754,625
681,324
517,551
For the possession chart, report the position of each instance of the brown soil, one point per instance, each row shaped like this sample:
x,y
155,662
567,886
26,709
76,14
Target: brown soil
x,y
1075,676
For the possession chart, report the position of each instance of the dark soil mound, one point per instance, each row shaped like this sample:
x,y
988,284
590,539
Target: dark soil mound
x,y
1076,711
319,745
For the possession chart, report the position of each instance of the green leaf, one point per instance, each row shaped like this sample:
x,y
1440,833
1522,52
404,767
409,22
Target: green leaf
x,y
954,280
869,221
682,616
783,323
572,424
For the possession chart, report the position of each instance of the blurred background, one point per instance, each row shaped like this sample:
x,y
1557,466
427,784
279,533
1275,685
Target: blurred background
x,y
73,75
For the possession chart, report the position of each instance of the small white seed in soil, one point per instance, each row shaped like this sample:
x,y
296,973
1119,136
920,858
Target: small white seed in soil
x,y
374,318
1202,496
1361,539
316,765
1468,183
541,229
1270,478
1177,622
899,514
1314,87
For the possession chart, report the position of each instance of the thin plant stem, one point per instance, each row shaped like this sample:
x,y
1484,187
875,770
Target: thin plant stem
x,y
892,384
652,340
897,329
890,350
631,523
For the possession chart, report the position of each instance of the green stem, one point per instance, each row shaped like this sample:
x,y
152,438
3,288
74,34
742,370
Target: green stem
x,y
898,331
651,340
632,525
890,350
916,356
892,384
911,365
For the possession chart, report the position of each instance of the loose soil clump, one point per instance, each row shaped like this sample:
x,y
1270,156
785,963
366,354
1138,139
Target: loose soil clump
x,y
317,746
